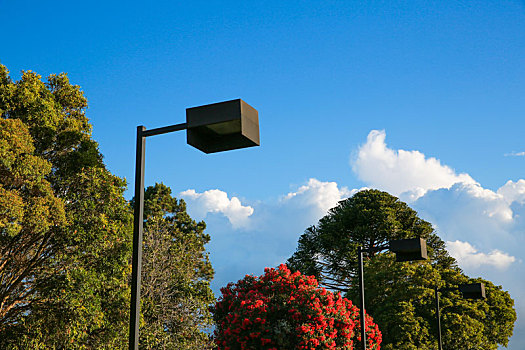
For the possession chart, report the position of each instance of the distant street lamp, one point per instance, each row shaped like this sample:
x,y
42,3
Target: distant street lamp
x,y
211,128
469,291
405,250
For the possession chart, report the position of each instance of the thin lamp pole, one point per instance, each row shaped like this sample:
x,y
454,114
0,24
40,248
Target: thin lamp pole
x,y
138,217
481,295
405,250
134,317
440,344
362,295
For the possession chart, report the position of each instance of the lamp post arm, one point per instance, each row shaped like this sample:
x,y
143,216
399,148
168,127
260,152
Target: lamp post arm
x,y
375,249
164,129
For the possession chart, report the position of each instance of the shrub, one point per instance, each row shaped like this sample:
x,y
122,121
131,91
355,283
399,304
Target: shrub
x,y
284,310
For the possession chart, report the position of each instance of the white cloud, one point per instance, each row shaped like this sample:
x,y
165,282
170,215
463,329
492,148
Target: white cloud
x,y
448,199
407,174
469,257
306,205
318,195
513,191
269,230
515,154
461,209
217,201
490,204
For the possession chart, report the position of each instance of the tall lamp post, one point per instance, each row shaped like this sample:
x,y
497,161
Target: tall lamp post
x,y
469,291
211,128
405,249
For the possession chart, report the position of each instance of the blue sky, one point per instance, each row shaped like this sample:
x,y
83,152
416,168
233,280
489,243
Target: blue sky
x,y
423,99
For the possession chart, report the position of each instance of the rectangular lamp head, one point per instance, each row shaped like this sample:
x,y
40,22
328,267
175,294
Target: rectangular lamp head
x,y
472,290
409,249
222,126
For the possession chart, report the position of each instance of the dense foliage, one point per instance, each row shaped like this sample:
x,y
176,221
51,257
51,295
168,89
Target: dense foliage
x,y
400,296
284,310
176,275
31,217
73,245
369,219
65,234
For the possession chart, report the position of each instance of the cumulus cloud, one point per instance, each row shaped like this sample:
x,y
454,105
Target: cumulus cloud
x,y
318,195
217,201
457,205
308,203
264,233
408,174
469,257
513,191
489,203
455,202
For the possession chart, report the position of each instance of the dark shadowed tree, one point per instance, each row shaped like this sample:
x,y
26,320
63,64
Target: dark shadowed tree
x,y
176,293
400,296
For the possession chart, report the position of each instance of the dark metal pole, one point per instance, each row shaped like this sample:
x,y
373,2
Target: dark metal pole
x,y
362,295
440,345
138,217
134,317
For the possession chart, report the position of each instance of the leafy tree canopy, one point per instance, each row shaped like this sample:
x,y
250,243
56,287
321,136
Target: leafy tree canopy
x,y
176,293
31,216
66,238
400,296
65,235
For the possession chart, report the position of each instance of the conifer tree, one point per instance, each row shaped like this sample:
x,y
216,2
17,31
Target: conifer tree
x,y
400,296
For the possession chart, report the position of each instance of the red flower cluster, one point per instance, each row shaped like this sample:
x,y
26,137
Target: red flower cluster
x,y
284,310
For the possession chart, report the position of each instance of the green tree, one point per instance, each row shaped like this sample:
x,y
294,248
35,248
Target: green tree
x,y
31,221
79,293
400,296
176,275
65,235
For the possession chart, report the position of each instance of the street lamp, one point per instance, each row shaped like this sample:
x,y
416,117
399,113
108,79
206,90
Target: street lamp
x,y
211,128
469,291
405,250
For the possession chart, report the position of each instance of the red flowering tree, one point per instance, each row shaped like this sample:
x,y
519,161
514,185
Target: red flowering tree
x,y
284,310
